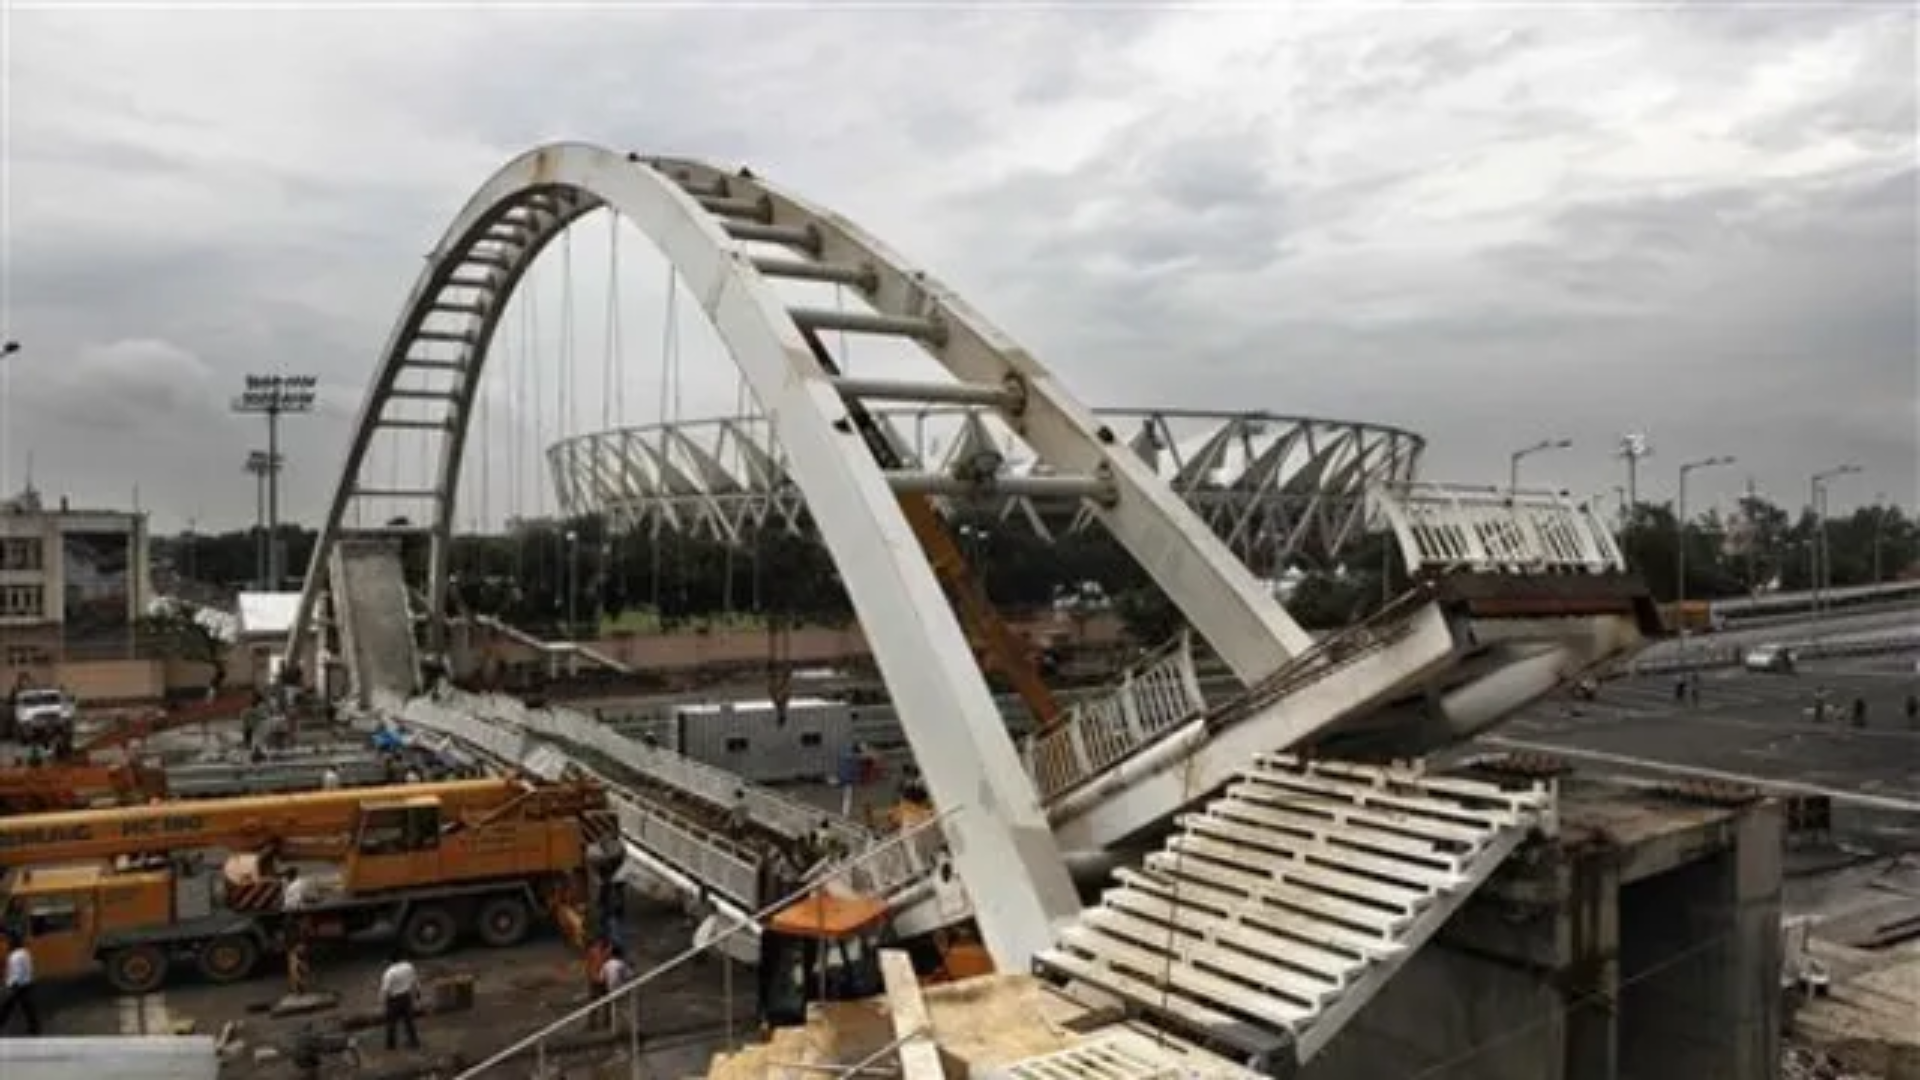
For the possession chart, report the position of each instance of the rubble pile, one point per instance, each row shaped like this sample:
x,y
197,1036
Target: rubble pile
x,y
1810,1063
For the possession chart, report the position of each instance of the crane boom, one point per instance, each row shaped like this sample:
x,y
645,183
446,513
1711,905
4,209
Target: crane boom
x,y
83,835
1001,647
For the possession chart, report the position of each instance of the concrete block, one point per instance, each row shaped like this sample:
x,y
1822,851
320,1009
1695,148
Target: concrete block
x,y
303,1004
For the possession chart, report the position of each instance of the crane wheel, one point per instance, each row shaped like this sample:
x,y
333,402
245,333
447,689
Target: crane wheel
x,y
229,958
429,930
503,921
137,970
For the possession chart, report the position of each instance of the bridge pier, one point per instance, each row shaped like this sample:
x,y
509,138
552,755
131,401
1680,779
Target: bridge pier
x,y
1643,942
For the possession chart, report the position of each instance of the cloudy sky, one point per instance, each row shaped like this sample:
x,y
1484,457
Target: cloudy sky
x,y
1490,223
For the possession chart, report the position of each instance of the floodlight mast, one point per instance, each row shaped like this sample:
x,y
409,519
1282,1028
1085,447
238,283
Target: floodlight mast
x,y
271,396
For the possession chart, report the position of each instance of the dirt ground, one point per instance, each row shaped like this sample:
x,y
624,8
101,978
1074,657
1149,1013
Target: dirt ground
x,y
684,1015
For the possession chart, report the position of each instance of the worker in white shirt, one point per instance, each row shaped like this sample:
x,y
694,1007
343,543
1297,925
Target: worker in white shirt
x,y
19,988
413,776
298,891
739,815
330,780
614,974
399,989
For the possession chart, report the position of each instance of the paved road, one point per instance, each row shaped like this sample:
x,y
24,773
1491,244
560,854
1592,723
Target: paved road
x,y
1894,622
1746,724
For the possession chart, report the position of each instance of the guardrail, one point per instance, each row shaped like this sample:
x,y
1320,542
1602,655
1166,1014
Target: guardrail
x,y
1164,695
1446,527
1158,696
786,816
721,865
895,867
1699,657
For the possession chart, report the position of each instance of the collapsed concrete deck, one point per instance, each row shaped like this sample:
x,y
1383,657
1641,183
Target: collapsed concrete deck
x,y
1643,942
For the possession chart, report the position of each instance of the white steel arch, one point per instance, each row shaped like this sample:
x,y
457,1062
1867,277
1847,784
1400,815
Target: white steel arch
x,y
703,218
957,733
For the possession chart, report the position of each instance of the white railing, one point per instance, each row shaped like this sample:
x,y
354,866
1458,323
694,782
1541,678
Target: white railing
x,y
535,1045
1495,530
893,867
716,862
720,864
1157,697
779,813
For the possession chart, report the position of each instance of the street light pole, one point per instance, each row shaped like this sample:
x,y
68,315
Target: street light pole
x,y
1633,447
1822,552
573,582
1513,460
1879,530
1680,544
274,396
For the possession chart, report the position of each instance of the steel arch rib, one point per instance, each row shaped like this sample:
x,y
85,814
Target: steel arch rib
x,y
1243,622
996,829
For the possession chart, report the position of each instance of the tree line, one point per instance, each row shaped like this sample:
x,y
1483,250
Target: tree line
x,y
557,577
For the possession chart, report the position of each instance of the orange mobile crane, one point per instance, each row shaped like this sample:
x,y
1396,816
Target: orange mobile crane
x,y
134,890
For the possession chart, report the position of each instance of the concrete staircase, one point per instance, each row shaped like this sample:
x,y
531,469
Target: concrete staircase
x,y
1280,908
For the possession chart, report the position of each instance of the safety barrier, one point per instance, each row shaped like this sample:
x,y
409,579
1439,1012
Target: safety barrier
x,y
515,732
786,816
1705,655
1158,696
723,866
1443,528
719,864
892,868
1163,696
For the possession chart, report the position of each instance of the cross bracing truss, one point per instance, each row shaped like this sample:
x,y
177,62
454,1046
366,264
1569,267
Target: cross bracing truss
x,y
1277,489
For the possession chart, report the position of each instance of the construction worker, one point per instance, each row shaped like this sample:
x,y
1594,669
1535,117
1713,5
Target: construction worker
x,y
19,985
1913,710
297,893
738,816
330,780
614,974
399,994
826,843
597,955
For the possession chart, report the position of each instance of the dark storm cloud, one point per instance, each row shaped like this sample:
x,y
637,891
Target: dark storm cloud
x,y
1477,224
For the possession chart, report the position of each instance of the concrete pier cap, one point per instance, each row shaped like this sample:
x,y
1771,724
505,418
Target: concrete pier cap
x,y
1642,941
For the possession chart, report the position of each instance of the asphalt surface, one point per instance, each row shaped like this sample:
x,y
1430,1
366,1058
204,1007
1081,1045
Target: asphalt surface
x,y
1754,725
685,1016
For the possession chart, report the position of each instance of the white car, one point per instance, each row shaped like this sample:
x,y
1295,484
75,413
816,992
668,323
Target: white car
x,y
1774,658
39,715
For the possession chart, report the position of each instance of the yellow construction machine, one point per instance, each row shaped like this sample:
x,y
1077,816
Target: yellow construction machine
x,y
137,891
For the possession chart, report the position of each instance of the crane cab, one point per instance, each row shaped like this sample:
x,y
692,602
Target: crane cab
x,y
64,912
823,947
826,947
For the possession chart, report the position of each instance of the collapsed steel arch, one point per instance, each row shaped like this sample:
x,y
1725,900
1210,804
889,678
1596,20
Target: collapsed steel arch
x,y
1277,489
702,218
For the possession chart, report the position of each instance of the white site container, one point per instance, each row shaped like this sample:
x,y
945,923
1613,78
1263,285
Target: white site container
x,y
748,739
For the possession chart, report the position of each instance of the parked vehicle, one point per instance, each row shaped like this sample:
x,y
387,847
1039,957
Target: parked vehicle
x,y
138,890
1777,659
42,715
